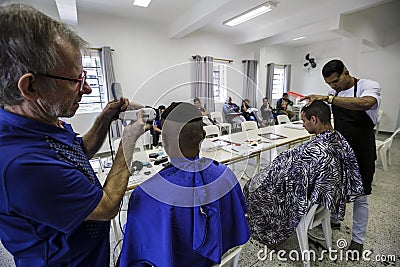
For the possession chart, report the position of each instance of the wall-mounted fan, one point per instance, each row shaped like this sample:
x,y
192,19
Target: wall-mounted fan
x,y
311,61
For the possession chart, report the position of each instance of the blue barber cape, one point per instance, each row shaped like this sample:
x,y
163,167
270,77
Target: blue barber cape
x,y
189,214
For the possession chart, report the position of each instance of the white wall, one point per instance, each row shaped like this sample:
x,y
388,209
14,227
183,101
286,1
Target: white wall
x,y
152,68
272,54
381,65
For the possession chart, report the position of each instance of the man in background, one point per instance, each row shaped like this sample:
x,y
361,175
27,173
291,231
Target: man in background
x,y
156,128
322,171
266,113
283,104
355,104
206,115
232,112
247,111
197,104
53,209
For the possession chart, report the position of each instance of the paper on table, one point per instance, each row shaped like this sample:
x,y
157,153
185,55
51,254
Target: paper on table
x,y
294,126
272,136
244,149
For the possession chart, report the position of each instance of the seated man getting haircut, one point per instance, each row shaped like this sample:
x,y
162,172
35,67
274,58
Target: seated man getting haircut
x,y
321,171
192,211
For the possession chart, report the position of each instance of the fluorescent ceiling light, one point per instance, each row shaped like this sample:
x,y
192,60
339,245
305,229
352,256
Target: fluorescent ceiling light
x,y
142,3
67,11
250,14
298,38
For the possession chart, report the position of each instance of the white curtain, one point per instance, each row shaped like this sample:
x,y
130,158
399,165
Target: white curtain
x,y
270,80
250,81
288,72
107,69
203,85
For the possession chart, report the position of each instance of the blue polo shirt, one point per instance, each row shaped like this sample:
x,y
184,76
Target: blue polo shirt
x,y
47,189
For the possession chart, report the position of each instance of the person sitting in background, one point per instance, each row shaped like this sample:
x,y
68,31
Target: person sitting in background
x,y
282,105
197,104
247,111
157,127
232,112
321,171
206,115
192,211
266,113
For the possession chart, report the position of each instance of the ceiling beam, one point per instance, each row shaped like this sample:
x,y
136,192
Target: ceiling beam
x,y
196,17
67,11
307,17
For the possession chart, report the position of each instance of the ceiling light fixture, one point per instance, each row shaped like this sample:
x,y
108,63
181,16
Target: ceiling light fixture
x,y
250,14
142,3
298,38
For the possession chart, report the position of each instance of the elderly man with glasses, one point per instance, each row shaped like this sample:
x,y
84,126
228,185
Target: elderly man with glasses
x,y
53,209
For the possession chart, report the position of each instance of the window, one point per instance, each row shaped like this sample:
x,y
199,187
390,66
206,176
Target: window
x,y
278,82
97,100
220,91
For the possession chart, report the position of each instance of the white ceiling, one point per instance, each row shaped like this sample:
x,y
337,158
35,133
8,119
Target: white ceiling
x,y
317,20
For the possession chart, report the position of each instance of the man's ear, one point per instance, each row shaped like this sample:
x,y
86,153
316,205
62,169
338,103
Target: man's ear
x,y
25,86
314,119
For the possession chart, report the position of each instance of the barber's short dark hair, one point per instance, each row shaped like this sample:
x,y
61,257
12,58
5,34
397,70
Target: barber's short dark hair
x,y
196,99
333,66
285,94
318,109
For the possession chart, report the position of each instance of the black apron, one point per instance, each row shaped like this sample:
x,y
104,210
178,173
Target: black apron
x,y
358,129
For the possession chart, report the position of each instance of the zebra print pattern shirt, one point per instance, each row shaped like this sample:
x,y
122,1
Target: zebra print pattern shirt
x,y
323,170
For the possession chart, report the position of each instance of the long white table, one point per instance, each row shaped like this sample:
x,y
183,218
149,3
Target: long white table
x,y
250,143
247,144
235,147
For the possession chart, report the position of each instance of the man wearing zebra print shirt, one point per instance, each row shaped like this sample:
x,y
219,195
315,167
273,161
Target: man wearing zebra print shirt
x,y
321,171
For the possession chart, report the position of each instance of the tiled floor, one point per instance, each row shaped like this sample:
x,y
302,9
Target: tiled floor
x,y
383,236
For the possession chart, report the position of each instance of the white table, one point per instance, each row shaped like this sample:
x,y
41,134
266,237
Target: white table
x,y
227,155
223,154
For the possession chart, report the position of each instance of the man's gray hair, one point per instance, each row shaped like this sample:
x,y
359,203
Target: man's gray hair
x,y
28,44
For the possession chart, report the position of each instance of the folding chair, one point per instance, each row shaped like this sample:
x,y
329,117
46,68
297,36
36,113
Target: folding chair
x,y
217,117
249,125
211,130
283,119
231,259
316,215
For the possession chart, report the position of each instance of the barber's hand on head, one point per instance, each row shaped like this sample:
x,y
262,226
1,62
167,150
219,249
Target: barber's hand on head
x,y
312,98
136,128
113,108
134,105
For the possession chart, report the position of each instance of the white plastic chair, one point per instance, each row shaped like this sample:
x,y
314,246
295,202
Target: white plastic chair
x,y
230,260
283,119
316,215
116,144
146,139
140,144
248,125
217,116
211,130
383,150
380,113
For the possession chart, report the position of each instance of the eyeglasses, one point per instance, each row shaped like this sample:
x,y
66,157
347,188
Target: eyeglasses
x,y
80,81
